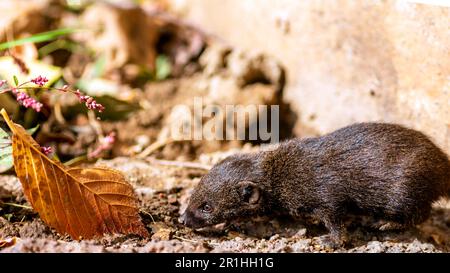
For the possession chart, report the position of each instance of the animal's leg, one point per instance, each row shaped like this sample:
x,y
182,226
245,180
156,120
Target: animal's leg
x,y
333,222
400,218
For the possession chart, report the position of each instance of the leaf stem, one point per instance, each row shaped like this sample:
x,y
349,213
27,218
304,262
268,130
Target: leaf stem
x,y
21,87
75,160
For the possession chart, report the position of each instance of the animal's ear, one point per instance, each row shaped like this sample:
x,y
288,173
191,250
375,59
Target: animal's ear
x,y
249,192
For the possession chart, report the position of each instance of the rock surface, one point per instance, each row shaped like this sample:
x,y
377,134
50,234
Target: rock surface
x,y
346,61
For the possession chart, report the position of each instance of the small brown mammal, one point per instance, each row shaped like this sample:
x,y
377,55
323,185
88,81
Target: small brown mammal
x,y
384,170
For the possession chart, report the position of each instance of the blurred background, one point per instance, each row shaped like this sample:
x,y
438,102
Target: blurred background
x,y
327,63
346,61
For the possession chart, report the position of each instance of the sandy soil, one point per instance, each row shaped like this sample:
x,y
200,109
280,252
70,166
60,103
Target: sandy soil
x,y
163,192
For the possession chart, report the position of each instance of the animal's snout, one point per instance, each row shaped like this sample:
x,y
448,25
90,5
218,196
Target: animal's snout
x,y
188,219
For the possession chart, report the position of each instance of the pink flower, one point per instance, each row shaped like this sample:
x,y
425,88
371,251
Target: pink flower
x,y
27,101
110,139
2,82
106,144
46,150
89,102
39,80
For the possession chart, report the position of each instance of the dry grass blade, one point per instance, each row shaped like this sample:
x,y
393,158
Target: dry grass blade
x,y
84,203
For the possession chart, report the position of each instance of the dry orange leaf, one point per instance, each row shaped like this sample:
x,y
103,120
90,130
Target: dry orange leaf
x,y
83,202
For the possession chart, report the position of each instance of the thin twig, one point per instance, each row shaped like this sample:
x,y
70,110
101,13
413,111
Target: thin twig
x,y
181,164
153,147
95,123
17,205
151,216
184,239
58,113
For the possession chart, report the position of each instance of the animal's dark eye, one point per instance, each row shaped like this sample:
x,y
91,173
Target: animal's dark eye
x,y
206,208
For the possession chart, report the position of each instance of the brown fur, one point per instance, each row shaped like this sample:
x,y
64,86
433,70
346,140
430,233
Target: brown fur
x,y
383,170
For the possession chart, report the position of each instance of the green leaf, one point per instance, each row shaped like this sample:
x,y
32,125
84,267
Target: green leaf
x,y
163,67
99,67
33,130
9,70
99,87
3,135
38,38
6,159
92,82
59,44
8,216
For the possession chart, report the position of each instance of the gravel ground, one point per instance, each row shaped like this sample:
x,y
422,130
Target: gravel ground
x,y
163,192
